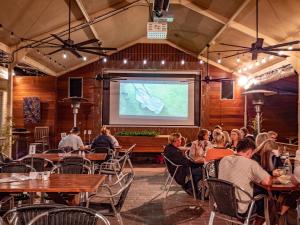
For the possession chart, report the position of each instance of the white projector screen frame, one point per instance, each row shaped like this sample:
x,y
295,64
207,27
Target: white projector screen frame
x,y
115,117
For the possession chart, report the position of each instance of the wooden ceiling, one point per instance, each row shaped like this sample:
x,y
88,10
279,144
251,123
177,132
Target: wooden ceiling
x,y
122,23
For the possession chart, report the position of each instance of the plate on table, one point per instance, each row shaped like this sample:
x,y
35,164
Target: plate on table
x,y
284,179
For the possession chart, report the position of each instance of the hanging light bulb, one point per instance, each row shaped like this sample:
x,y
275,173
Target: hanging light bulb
x,y
163,62
250,66
201,61
104,59
240,70
290,47
12,35
219,59
145,61
263,61
84,58
245,69
257,63
125,61
280,52
182,62
271,57
65,55
238,60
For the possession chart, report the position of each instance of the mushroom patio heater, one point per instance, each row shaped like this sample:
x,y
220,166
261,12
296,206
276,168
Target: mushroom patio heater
x,y
75,105
258,102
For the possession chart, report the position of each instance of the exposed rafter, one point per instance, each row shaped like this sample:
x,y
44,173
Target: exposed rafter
x,y
35,64
5,48
87,18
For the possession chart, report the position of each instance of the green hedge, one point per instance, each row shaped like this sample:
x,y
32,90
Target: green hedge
x,y
138,133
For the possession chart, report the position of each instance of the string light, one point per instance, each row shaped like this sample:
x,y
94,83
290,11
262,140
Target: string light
x,y
238,60
125,61
84,58
163,62
182,62
280,52
290,47
219,59
145,61
242,81
104,60
263,61
201,61
271,57
240,70
257,63
65,55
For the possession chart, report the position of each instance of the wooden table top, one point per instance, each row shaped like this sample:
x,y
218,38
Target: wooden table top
x,y
280,187
55,183
57,157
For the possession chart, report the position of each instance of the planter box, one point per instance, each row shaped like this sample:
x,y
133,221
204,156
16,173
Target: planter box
x,y
144,143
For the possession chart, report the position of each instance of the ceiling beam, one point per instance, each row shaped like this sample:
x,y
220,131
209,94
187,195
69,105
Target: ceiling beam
x,y
87,18
207,13
229,22
32,62
5,48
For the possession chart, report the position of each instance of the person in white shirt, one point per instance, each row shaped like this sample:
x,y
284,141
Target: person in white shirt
x,y
72,140
199,147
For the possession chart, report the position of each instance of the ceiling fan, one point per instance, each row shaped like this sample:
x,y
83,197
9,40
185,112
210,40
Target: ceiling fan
x,y
257,46
75,48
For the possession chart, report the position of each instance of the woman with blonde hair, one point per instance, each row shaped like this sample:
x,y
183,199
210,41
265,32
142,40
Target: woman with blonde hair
x,y
105,139
260,138
227,139
219,150
235,136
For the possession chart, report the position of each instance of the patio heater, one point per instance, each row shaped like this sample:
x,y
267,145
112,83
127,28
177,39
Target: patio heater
x,y
75,105
258,102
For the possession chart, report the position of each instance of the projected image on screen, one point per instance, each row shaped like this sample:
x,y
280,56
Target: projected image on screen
x,y
153,98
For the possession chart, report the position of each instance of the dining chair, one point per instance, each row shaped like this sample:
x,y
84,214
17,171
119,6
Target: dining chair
x,y
114,166
225,207
168,183
115,196
128,152
70,216
75,159
38,163
69,168
54,151
23,214
41,136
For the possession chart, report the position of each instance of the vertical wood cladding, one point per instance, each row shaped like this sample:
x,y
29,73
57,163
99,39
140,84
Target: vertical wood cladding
x,y
228,113
42,87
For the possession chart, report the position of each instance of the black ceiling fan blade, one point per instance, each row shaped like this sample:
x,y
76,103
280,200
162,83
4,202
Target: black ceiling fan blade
x,y
91,52
74,52
275,54
281,49
228,56
233,50
57,50
282,44
58,38
238,46
87,42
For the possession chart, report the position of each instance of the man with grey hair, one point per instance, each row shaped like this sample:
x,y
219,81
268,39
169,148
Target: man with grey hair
x,y
176,155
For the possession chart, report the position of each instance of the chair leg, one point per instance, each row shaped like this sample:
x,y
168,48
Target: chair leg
x,y
211,218
298,211
119,217
169,186
192,180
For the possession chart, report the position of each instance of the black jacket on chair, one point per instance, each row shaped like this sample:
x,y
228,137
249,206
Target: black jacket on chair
x,y
175,155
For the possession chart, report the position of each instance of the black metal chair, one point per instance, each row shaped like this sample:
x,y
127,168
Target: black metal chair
x,y
16,167
22,215
39,164
71,168
4,158
70,216
54,151
171,176
75,160
223,194
116,198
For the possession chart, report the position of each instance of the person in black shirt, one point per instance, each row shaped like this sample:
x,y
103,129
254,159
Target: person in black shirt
x,y
173,153
103,140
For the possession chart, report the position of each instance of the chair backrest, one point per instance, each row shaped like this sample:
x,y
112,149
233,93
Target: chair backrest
x,y
71,216
40,133
68,168
22,215
171,166
212,168
106,150
39,164
130,149
16,168
75,160
128,179
223,195
54,151
80,152
4,158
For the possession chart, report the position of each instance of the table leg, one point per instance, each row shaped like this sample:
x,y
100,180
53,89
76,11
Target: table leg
x,y
266,210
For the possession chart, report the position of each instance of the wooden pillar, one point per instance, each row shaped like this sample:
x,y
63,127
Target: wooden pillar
x,y
9,107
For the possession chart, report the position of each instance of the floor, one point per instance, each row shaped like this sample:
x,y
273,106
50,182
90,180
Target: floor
x,y
143,206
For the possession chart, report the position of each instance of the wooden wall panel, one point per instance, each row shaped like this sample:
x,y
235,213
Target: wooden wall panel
x,y
228,113
42,87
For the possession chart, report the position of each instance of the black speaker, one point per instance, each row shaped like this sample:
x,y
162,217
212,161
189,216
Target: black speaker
x,y
75,87
227,89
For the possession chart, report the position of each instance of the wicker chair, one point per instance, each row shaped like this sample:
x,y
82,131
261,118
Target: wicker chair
x,y
70,216
108,151
75,160
69,168
116,198
16,167
170,177
22,215
39,164
223,194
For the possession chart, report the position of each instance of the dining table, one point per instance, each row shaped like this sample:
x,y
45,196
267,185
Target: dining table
x,y
55,157
275,187
54,184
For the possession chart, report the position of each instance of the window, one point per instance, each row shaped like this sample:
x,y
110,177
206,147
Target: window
x,y
75,87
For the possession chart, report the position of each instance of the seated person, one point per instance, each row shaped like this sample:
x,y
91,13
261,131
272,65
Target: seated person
x,y
173,153
105,139
272,135
219,151
72,140
240,170
235,136
200,146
